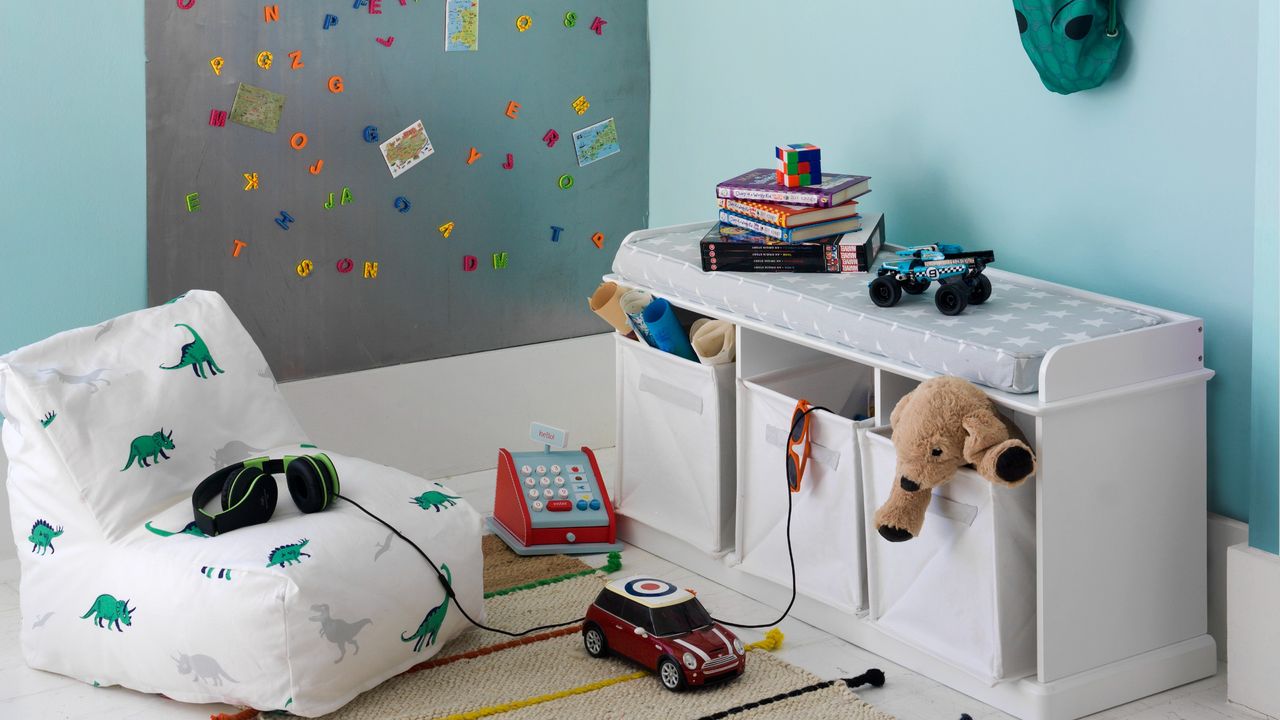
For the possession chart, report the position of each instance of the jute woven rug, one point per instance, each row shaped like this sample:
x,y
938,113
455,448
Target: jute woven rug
x,y
550,676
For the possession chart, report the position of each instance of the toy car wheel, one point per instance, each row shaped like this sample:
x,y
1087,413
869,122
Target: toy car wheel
x,y
915,287
981,290
595,642
885,291
952,298
670,674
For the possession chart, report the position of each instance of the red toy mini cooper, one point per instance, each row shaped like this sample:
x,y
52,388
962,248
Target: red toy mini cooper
x,y
664,629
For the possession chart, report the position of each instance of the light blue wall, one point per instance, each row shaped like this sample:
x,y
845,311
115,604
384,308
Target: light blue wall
x,y
1142,189
1265,510
72,166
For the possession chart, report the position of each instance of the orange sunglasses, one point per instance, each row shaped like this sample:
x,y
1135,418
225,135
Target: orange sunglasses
x,y
798,444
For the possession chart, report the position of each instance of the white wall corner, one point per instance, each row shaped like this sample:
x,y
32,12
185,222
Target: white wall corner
x,y
1253,584
1223,533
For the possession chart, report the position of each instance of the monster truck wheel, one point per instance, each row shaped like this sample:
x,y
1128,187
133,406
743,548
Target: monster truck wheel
x,y
952,298
981,290
915,287
885,291
593,639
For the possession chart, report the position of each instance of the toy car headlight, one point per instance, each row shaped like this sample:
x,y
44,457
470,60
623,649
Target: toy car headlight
x,y
737,646
689,660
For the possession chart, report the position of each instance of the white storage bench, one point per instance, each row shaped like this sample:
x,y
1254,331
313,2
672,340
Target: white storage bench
x,y
1082,589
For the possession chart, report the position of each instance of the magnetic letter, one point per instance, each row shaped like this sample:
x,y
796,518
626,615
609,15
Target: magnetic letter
x,y
315,169
298,140
239,244
386,41
296,56
598,25
250,181
580,105
375,8
445,229
345,265
193,201
371,268
270,13
304,268
470,263
186,4
473,156
284,220
216,63
565,182
499,260
524,22
598,240
513,107
330,21
335,84
550,138
570,19
370,134
402,204
218,118
555,233
356,5
329,204
346,195
264,59
510,163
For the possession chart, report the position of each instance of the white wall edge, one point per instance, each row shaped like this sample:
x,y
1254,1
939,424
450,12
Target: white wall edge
x,y
1223,533
1253,584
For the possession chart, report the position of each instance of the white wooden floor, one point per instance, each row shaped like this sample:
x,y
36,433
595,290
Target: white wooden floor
x,y
26,693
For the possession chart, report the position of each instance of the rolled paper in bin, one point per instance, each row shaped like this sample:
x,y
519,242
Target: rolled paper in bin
x,y
604,302
633,304
714,341
665,330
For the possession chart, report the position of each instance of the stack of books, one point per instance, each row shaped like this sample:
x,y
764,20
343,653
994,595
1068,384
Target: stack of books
x,y
768,226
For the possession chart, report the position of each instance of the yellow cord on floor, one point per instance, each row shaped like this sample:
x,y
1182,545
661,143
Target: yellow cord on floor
x,y
772,641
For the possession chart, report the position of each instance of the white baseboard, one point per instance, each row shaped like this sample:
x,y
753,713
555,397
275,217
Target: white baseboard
x,y
1253,584
449,416
1223,533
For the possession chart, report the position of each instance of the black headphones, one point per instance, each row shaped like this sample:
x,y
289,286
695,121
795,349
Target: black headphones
x,y
248,490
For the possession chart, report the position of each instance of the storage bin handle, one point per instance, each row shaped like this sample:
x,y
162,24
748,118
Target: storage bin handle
x,y
821,454
672,394
962,513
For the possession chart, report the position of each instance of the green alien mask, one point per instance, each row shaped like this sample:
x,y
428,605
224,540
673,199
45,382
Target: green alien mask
x,y
1072,43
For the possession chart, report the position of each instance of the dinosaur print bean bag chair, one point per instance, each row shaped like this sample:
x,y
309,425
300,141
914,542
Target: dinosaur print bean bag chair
x,y
108,429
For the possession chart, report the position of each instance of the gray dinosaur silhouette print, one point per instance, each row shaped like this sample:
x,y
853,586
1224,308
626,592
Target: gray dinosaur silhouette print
x,y
91,379
338,632
233,452
384,546
40,621
103,329
202,668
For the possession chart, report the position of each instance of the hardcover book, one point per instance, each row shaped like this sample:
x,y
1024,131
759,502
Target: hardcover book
x,y
788,216
730,248
761,184
800,234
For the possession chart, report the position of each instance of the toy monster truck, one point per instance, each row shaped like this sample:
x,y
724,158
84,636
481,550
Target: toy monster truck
x,y
958,272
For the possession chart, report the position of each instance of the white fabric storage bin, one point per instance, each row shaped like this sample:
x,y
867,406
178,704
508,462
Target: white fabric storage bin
x,y
676,445
965,589
826,515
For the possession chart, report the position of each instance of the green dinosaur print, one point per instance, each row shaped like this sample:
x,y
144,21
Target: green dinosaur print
x,y
174,300
47,420
41,537
111,611
431,624
288,554
189,529
149,446
434,499
196,355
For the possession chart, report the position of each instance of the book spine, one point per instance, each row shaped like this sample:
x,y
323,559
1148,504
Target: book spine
x,y
759,213
764,228
733,192
776,258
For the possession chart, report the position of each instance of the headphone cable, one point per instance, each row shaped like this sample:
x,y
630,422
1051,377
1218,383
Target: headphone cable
x,y
448,586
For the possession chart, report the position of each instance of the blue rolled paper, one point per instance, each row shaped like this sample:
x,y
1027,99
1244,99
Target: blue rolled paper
x,y
665,330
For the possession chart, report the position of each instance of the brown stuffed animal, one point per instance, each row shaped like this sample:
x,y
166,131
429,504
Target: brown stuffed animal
x,y
942,425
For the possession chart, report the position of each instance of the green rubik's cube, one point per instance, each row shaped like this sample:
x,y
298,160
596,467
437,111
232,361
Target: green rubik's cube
x,y
799,164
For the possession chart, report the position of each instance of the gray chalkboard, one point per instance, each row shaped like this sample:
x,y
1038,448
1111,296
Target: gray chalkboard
x,y
422,304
